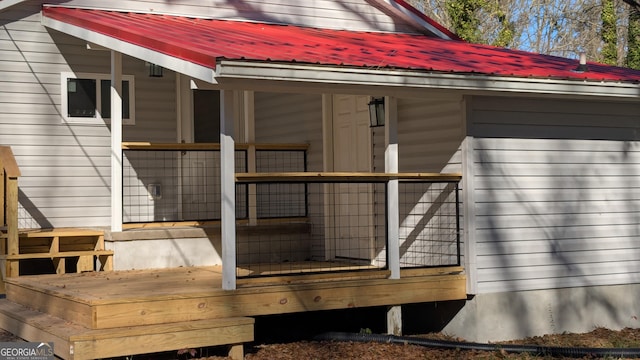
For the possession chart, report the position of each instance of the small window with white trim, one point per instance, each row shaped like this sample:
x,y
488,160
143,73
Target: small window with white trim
x,y
86,98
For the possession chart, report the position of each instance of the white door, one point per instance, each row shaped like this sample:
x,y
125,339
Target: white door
x,y
353,208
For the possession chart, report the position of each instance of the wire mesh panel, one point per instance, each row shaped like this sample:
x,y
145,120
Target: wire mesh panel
x,y
291,196
175,185
339,231
429,224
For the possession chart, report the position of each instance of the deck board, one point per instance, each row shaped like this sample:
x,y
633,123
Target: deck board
x,y
100,300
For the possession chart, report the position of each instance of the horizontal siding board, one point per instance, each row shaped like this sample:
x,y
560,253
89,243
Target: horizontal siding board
x,y
521,236
88,201
67,191
538,197
55,129
552,221
559,156
62,172
594,244
62,140
554,120
526,131
561,258
577,170
557,182
567,145
559,271
554,106
560,282
567,207
79,182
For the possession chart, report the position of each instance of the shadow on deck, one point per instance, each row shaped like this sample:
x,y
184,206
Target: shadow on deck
x,y
105,314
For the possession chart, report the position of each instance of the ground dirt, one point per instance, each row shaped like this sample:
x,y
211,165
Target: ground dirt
x,y
334,350
599,338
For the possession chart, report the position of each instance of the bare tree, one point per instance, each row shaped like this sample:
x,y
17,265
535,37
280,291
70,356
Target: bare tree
x,y
556,27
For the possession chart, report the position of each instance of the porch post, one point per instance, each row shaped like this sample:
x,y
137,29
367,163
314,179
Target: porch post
x,y
394,313
228,189
116,141
391,167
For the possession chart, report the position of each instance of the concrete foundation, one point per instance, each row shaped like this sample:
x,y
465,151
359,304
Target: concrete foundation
x,y
516,315
163,248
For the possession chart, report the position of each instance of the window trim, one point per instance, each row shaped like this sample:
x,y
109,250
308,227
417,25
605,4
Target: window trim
x,y
131,120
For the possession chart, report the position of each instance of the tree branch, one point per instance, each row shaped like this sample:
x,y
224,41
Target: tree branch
x,y
633,3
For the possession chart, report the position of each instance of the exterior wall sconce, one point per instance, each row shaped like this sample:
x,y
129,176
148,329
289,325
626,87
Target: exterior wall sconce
x,y
376,112
155,70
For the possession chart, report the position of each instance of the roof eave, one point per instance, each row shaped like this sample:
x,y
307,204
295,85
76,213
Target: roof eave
x,y
5,4
182,66
235,71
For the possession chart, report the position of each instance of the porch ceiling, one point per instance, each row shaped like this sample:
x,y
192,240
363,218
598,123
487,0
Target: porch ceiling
x,y
198,46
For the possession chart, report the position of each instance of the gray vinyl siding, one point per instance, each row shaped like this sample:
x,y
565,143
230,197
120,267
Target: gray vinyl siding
x,y
333,14
65,168
557,193
295,118
291,118
430,133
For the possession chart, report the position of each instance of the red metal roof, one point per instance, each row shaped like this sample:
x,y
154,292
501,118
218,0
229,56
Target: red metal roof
x,y
204,41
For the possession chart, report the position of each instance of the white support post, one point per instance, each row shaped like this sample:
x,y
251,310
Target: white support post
x,y
116,141
391,166
469,215
228,189
394,313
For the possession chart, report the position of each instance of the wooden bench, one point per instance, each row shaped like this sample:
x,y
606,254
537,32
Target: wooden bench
x,y
59,245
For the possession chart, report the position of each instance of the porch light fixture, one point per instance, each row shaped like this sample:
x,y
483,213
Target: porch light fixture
x,y
155,70
376,112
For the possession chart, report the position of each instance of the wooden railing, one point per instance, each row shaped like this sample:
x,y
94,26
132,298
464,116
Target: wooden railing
x,y
9,173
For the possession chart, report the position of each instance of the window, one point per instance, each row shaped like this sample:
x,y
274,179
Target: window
x,y
86,98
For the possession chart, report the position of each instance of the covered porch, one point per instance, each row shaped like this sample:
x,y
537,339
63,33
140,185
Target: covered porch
x,y
293,225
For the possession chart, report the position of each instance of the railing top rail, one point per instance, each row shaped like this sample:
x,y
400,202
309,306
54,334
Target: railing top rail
x,y
343,176
8,162
209,146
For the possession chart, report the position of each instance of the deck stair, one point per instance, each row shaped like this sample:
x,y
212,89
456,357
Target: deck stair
x,y
95,315
72,341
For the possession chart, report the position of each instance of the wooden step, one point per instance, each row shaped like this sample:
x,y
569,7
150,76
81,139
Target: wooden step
x,y
72,341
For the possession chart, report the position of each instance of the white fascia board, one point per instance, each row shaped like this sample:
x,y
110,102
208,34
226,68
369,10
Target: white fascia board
x,y
184,67
411,18
228,72
5,4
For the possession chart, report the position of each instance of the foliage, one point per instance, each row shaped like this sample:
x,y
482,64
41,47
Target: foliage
x,y
467,18
463,17
633,52
609,33
555,27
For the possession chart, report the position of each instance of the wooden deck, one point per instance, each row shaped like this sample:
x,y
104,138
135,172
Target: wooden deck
x,y
95,308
